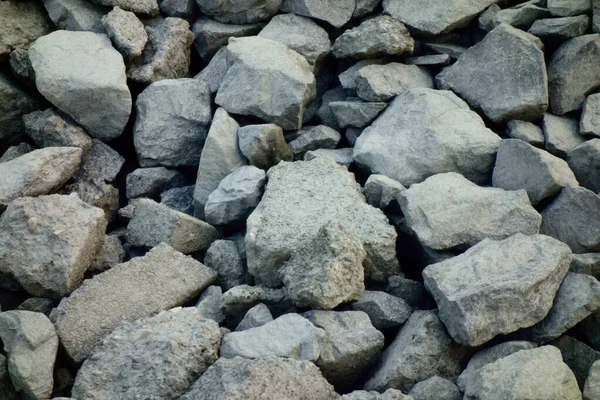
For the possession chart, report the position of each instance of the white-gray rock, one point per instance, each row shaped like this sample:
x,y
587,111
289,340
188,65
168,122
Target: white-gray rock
x,y
335,12
240,12
561,134
590,116
126,32
264,145
382,82
380,190
525,131
255,317
584,160
384,310
16,151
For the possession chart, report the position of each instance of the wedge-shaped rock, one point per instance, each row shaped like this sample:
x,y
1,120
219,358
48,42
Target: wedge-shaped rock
x,y
20,24
255,317
212,35
302,196
49,128
447,211
424,132
584,160
76,15
561,134
126,32
335,12
83,76
264,145
144,286
382,82
240,12
525,131
156,357
513,61
47,243
560,28
356,114
384,310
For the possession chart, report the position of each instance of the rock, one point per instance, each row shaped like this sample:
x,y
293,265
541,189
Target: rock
x,y
453,50
381,191
38,172
578,356
248,84
167,53
561,134
521,16
521,166
210,304
518,280
173,116
126,32
340,156
20,65
515,94
525,131
458,141
364,7
15,152
351,347
215,71
335,12
179,199
348,77
382,82
264,145
76,15
435,388
223,257
236,12
565,8
31,344
459,220
160,280
67,74
590,117
49,128
429,60
591,390
262,378
379,36
421,350
38,305
255,317
21,23
161,357
111,253
97,193
14,103
384,310
584,160
100,163
587,263
390,394
290,214
486,18
210,35
47,243
148,8
313,138
560,28
435,17
289,336
412,292
570,73
299,34
150,182
239,299
220,157
327,271
572,219
540,371
355,113
236,196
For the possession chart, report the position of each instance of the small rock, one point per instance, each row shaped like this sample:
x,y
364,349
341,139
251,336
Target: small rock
x,y
210,304
335,12
342,157
348,77
565,8
584,160
355,113
590,117
14,103
384,310
149,182
412,292
21,23
587,263
525,131
97,193
180,199
236,12
433,60
51,129
380,190
435,388
76,15
215,71
382,82
210,35
390,394
364,7
37,304
15,152
560,28
100,163
20,65
255,317
239,299
148,8
111,253
578,356
454,51
324,113
591,390
521,16
126,32
186,9
223,257
264,145
561,134
315,137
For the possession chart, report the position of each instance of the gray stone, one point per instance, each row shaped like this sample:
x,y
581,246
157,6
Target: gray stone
x,y
264,145
560,28
248,85
15,152
38,172
584,160
384,310
577,355
412,292
434,60
586,263
20,65
111,253
364,7
536,373
348,77
424,132
37,304
571,75
100,163
156,357
454,51
379,36
147,8
173,116
179,199
340,156
255,317
561,134
14,103
220,157
381,191
513,288
211,35
153,223
67,74
215,71
447,211
573,219
521,16
31,344
327,271
590,117
240,12
97,193
262,378
514,61
595,16
239,299
236,197
382,82
435,388
223,257
591,390
565,8
210,304
51,129
76,15
390,394
186,9
21,22
160,280
357,114
150,182
525,131
126,32
300,197
324,113
335,12
7,389
313,138
167,53
351,346
421,349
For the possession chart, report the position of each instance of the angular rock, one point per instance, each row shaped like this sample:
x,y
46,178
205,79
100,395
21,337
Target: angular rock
x,y
454,51
514,61
15,152
525,131
561,134
76,15
148,8
126,32
97,193
20,65
565,8
111,253
100,163
67,74
240,12
590,117
355,113
150,182
348,77
577,355
210,35
14,103
384,310
179,199
49,128
37,304
584,160
21,22
432,60
380,190
560,28
340,156
390,394
239,299
335,12
587,263
160,280
215,71
591,390
412,292
210,304
382,82
255,317
315,137
160,357
435,388
223,257
521,16
186,9
264,145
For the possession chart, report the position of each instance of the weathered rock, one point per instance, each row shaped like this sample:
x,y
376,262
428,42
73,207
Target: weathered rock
x,y
454,51
97,193
111,253
21,22
14,103
435,388
126,32
560,28
382,82
584,160
37,304
379,36
100,163
15,152
364,7
179,199
590,117
565,8
51,129
390,394
433,60
31,343
525,131
591,390
340,156
357,114
20,65
573,219
520,16
412,292
571,76
313,138
348,77
561,134
148,8
186,9
587,263
248,85
577,355
239,299
210,35
514,61
262,378
539,372
240,12
76,15
210,304
68,74
160,280
223,257
384,310
161,357
335,12
255,317
150,182
432,123
421,350
264,145
291,213
380,190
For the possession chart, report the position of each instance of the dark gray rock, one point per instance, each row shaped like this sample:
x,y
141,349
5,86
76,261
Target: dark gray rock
x,y
97,193
50,128
584,160
15,152
215,71
521,16
586,263
20,24
433,60
255,317
384,310
211,35
264,145
126,32
565,8
20,65
223,257
357,114
100,163
561,134
313,138
180,199
239,299
76,15
560,28
186,9
111,253
150,182
14,103
335,12
577,355
381,191
590,117
240,12
364,7
435,388
210,304
324,113
412,292
382,82
454,51
525,131
37,304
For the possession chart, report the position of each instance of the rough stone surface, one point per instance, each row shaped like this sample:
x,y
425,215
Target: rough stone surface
x,y
412,292
587,263
240,12
14,103
356,114
97,193
111,253
255,317
223,257
335,12
435,388
179,199
590,117
561,134
340,156
380,190
148,8
564,8
210,35
382,82
126,32
390,394
525,131
21,22
384,310
100,163
215,71
584,160
577,355
591,390
315,137
76,15
150,182
15,152
49,128
210,304
239,299
37,304
264,145
348,77
560,28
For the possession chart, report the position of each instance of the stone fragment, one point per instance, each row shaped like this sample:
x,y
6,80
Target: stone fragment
x,y
150,182
97,193
335,12
215,71
364,7
525,131
37,304
382,82
15,152
148,8
435,388
356,114
14,103
21,22
340,156
454,51
390,394
180,199
381,191
68,74
240,12
584,160
255,317
76,15
111,253
313,138
139,288
591,390
211,35
100,163
49,128
565,8
159,357
239,299
186,9
435,60
577,355
586,263
20,65
561,134
126,32
210,304
264,145
384,310
348,77
590,117
521,16
223,257
412,292
560,28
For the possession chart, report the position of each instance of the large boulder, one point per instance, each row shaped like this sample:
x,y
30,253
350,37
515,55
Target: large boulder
x,y
240,12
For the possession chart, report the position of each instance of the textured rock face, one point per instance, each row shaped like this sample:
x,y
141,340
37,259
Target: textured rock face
x,y
255,317
300,197
76,15
223,257
435,387
561,134
148,8
21,23
584,160
126,32
169,352
84,76
384,310
424,132
212,36
382,82
264,145
592,383
240,12
49,128
590,116
335,12
560,28
517,278
102,162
